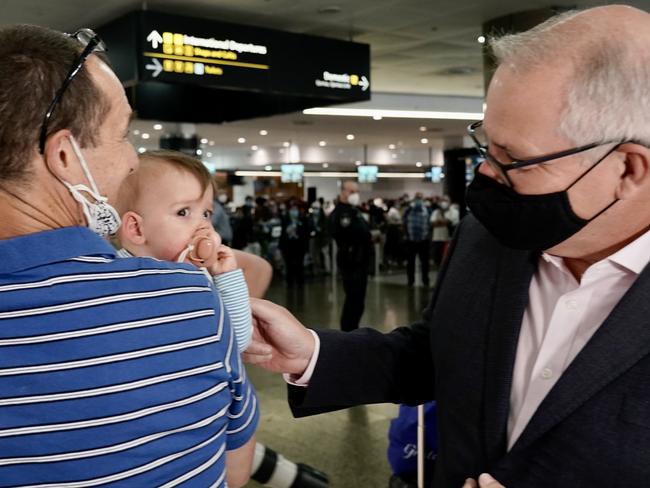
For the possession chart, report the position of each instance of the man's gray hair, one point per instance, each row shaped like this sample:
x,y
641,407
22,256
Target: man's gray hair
x,y
607,97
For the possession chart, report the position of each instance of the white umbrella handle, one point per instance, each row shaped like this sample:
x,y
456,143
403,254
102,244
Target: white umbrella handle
x,y
421,446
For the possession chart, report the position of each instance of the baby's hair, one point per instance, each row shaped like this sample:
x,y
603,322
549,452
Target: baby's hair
x,y
150,163
182,162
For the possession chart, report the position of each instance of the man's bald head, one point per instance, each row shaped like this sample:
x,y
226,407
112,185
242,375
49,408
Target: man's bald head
x,y
603,57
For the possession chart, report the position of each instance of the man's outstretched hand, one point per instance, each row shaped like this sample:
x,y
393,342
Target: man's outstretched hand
x,y
280,342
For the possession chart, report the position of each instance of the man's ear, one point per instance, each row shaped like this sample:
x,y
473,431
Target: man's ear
x,y
634,170
131,229
60,158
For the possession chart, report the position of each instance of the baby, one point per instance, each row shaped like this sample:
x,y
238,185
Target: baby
x,y
166,209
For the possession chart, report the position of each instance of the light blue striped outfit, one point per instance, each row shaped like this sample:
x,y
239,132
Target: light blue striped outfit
x,y
114,372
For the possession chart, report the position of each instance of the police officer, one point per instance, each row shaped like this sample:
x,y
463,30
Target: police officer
x,y
352,234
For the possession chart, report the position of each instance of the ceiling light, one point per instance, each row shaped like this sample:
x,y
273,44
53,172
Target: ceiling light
x,y
424,140
204,141
394,155
264,132
350,137
399,114
136,132
286,143
157,126
423,128
209,154
391,146
199,152
254,148
322,143
268,167
358,163
211,143
141,150
481,39
418,164
325,165
241,140
145,135
377,117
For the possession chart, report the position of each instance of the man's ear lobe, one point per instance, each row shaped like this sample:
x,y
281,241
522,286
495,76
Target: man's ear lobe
x,y
131,229
59,156
635,170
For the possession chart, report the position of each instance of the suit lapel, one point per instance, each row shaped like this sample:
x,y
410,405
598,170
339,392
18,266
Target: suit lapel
x,y
516,269
617,345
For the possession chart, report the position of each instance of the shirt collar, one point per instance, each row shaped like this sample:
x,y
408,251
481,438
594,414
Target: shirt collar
x,y
633,257
42,248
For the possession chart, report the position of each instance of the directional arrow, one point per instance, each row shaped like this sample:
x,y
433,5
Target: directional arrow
x,y
154,38
365,84
156,67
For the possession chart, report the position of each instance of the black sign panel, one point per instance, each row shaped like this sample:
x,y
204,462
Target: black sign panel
x,y
184,50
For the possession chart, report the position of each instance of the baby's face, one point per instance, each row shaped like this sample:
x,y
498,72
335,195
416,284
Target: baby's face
x,y
173,208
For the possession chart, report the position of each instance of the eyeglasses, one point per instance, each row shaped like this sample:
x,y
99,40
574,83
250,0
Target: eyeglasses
x,y
480,141
92,43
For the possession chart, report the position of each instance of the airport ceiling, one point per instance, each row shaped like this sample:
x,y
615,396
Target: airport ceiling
x,y
417,47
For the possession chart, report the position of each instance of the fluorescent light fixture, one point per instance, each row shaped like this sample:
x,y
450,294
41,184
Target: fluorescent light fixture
x,y
399,114
204,141
264,132
145,135
332,174
141,150
241,140
424,140
199,152
350,137
157,126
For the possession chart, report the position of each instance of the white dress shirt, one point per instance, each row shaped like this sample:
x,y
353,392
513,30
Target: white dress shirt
x,y
561,316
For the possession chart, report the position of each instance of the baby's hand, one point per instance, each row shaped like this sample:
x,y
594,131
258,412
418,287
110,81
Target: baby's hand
x,y
225,262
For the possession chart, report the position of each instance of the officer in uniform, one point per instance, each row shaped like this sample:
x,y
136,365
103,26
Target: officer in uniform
x,y
351,232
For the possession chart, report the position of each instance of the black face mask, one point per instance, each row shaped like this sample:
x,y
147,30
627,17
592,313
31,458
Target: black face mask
x,y
531,222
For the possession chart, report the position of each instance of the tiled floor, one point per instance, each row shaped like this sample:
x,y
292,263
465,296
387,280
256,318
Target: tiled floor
x,y
350,445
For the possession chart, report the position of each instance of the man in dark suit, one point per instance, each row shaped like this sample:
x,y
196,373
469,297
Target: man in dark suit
x,y
536,343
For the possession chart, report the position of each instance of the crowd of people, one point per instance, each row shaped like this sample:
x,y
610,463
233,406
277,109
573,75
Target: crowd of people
x,y
295,235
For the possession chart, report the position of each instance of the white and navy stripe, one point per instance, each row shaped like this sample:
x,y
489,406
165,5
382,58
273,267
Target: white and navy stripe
x,y
114,371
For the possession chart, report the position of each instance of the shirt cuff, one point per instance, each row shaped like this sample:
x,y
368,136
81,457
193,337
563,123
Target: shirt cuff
x,y
303,380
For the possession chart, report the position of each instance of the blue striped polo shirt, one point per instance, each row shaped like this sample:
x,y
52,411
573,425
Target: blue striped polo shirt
x,y
114,371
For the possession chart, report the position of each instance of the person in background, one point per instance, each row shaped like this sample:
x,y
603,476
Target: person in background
x,y
221,217
319,237
294,243
351,232
443,220
416,224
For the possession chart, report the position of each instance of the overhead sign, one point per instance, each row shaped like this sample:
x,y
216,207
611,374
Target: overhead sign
x,y
178,49
271,71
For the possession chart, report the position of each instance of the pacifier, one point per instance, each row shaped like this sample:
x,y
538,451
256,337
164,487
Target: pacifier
x,y
202,250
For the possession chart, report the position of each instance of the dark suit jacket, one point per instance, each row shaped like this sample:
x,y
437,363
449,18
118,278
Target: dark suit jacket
x,y
592,429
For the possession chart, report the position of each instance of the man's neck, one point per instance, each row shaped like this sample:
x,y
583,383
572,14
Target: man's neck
x,y
39,209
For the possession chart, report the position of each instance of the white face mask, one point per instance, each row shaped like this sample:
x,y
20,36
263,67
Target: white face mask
x,y
101,217
354,199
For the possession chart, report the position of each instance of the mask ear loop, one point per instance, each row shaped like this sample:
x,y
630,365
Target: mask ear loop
x,y
84,166
586,173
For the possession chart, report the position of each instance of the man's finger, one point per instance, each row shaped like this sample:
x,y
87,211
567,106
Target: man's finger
x,y
256,358
470,483
259,348
487,481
